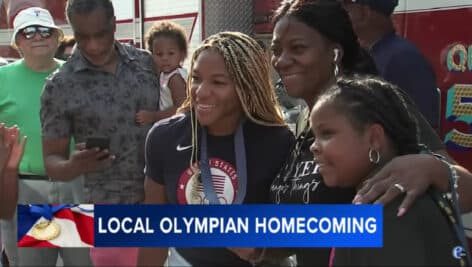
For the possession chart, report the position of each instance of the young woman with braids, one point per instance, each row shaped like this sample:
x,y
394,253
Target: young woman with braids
x,y
369,116
230,105
313,42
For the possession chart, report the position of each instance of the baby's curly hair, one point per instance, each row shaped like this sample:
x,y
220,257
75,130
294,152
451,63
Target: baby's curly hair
x,y
168,29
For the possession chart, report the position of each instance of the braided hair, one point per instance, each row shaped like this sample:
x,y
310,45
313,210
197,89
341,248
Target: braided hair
x,y
331,20
249,69
366,100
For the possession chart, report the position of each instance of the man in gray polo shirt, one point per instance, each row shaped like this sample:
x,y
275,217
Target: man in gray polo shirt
x,y
96,94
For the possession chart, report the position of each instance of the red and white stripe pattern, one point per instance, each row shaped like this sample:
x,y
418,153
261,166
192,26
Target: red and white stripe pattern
x,y
218,184
76,226
407,6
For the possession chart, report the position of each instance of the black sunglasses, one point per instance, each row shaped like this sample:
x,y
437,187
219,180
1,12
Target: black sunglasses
x,y
29,32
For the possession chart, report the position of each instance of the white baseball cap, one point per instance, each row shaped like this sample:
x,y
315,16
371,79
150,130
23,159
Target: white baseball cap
x,y
33,16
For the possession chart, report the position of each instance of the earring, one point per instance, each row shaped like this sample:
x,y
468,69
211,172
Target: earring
x,y
335,59
336,70
336,54
374,156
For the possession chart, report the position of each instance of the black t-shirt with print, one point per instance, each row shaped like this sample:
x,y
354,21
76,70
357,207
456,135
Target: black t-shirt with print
x,y
168,152
299,182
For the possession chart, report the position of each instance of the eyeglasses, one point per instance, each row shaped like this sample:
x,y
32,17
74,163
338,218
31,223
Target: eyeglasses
x,y
30,32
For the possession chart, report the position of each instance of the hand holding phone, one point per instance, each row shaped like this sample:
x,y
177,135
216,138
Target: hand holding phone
x,y
103,143
100,142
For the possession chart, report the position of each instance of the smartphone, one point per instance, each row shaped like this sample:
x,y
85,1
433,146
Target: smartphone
x,y
100,142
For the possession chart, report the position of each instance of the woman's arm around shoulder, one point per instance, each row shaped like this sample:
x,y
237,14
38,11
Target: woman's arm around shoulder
x,y
416,173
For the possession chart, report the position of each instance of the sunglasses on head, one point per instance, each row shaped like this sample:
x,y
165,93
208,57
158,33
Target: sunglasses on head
x,y
29,32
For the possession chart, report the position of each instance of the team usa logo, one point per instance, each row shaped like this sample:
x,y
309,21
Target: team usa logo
x,y
190,187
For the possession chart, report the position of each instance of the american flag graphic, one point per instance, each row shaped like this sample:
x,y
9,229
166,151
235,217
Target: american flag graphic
x,y
75,224
218,184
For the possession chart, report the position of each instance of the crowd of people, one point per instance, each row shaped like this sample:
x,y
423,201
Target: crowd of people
x,y
342,58
36,37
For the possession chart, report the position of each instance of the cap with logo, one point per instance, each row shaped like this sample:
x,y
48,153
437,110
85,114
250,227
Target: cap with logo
x,y
33,16
385,7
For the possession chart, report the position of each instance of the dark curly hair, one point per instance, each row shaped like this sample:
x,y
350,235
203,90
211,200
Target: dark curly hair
x,y
168,29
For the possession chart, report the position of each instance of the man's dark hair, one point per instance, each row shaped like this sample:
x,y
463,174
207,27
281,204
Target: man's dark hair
x,y
331,20
87,6
385,7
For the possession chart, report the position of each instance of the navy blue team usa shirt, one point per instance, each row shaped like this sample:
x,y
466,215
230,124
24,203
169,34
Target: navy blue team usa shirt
x,y
168,152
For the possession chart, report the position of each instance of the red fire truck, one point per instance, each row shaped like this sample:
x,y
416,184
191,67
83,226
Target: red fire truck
x,y
437,27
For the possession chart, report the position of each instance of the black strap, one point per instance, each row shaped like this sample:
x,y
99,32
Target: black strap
x,y
454,217
241,168
460,226
33,177
451,208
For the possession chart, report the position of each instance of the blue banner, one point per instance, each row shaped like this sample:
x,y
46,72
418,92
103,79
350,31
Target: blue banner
x,y
238,226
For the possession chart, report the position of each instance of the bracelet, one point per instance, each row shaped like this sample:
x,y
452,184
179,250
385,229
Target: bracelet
x,y
454,180
453,177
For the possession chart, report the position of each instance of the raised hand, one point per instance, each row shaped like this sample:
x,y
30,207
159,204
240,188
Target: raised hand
x,y
16,148
5,147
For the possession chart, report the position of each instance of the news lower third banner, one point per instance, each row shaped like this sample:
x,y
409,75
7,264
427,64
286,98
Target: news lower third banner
x,y
200,225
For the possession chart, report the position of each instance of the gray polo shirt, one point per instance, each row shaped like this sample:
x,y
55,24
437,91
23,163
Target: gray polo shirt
x,y
80,101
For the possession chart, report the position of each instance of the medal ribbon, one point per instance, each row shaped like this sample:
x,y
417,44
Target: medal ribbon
x,y
47,211
241,168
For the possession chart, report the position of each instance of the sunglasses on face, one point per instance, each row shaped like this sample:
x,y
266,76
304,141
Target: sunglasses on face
x,y
30,32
